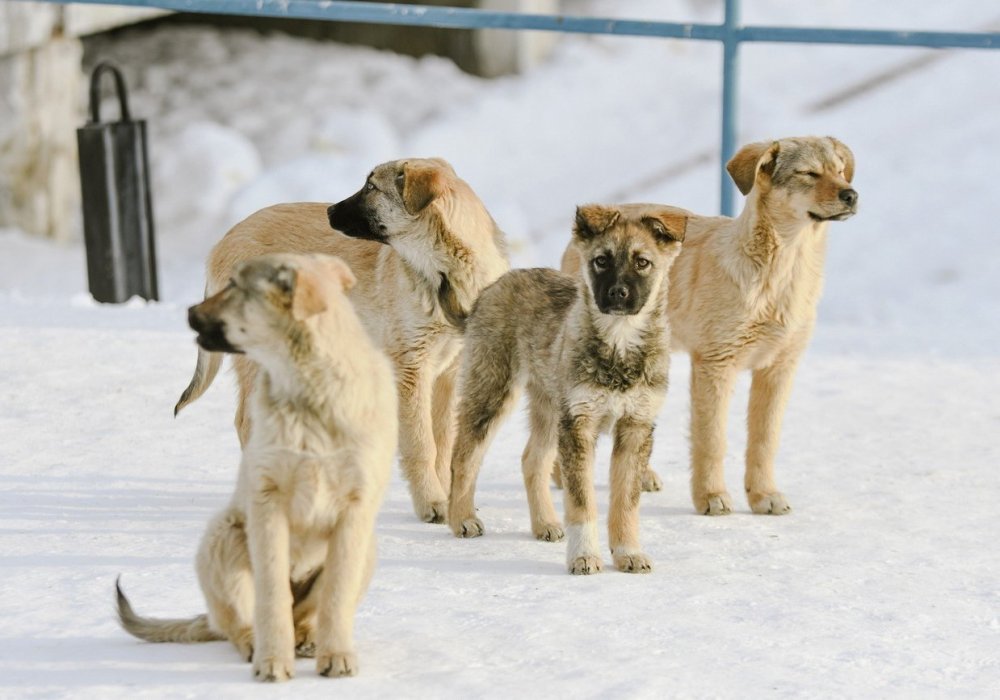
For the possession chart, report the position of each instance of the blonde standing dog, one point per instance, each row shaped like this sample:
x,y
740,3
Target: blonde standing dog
x,y
743,295
423,246
284,566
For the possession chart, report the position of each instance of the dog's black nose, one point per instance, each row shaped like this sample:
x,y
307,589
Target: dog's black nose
x,y
194,319
619,292
849,197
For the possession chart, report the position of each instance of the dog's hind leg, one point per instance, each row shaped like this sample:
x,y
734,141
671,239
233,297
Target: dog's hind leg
x,y
536,464
557,479
417,451
443,407
711,389
226,579
488,395
769,392
629,457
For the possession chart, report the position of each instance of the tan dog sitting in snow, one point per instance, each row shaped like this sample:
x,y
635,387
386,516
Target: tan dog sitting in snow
x,y
284,566
743,295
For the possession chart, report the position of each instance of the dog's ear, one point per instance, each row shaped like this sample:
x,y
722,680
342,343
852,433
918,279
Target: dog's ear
x,y
305,287
570,262
445,165
593,220
743,166
667,225
421,185
336,269
841,149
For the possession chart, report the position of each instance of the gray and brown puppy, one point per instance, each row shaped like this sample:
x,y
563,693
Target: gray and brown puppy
x,y
593,352
284,565
423,246
743,295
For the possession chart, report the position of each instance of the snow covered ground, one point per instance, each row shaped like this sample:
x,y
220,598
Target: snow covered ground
x,y
884,581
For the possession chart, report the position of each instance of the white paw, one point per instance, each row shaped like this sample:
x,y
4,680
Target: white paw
x,y
336,665
651,481
273,669
714,504
434,512
549,532
773,503
469,527
243,641
634,563
585,565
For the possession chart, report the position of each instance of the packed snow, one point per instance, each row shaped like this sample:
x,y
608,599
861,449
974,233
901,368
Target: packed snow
x,y
883,582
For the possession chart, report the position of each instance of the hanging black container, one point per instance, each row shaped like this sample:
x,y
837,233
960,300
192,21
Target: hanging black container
x,y
117,206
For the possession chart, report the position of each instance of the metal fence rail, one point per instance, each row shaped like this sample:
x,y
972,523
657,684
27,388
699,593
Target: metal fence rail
x,y
731,33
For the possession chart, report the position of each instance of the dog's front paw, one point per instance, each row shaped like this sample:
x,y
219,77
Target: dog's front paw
x,y
634,563
773,503
585,564
243,641
468,527
305,647
272,669
337,664
651,481
714,504
548,532
433,512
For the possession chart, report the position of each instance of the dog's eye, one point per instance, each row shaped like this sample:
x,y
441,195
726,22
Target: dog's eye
x,y
601,262
641,263
810,173
369,186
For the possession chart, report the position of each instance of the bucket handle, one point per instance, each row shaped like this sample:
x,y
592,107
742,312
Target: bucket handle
x,y
95,97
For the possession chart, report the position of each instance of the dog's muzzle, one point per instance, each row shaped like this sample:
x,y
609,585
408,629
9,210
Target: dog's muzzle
x,y
211,333
849,198
350,217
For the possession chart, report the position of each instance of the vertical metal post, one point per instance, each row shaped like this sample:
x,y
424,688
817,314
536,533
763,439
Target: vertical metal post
x,y
730,88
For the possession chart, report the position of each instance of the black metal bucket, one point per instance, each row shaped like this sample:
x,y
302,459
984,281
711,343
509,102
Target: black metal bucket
x,y
117,205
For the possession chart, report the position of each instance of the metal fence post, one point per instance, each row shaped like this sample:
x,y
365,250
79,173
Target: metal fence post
x,y
730,96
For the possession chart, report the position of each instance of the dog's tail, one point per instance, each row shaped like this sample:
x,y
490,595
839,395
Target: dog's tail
x,y
151,629
204,373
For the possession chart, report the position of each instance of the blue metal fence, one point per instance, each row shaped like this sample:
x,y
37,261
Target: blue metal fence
x,y
731,33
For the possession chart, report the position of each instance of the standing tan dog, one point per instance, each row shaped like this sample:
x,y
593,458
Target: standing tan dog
x,y
743,295
422,246
313,473
593,352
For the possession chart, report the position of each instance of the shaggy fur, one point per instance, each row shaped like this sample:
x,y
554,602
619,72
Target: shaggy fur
x,y
283,567
423,246
743,295
593,352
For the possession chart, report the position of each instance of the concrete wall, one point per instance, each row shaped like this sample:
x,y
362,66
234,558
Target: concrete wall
x,y
40,87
